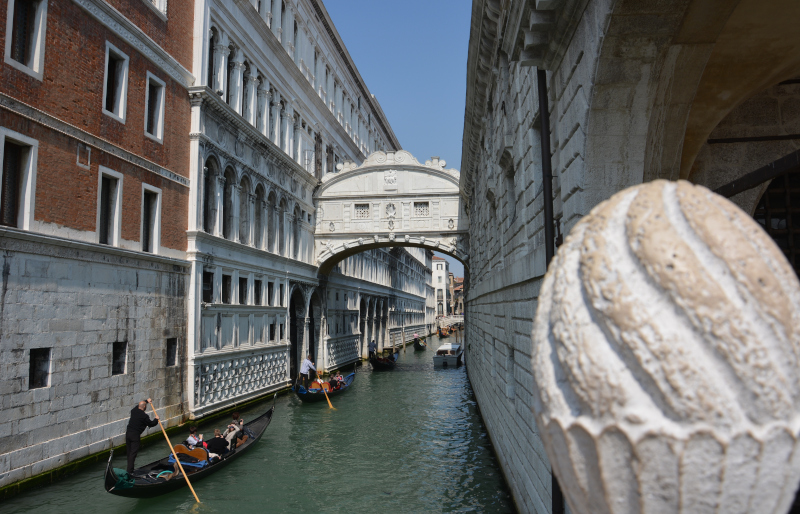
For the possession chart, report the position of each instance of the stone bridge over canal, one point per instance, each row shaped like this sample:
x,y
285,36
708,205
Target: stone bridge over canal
x,y
390,200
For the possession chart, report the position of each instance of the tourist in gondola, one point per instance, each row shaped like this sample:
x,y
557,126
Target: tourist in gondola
x,y
373,348
133,434
217,446
194,440
305,369
233,428
337,381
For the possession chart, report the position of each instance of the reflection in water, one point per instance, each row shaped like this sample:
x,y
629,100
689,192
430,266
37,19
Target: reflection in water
x,y
409,440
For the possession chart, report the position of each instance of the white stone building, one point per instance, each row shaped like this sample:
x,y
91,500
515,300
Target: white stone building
x,y
441,284
633,91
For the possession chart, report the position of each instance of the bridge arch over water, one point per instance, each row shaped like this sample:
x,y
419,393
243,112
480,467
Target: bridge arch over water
x,y
390,200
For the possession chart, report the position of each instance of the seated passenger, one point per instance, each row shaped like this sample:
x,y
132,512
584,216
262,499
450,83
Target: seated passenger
x,y
217,446
233,427
194,440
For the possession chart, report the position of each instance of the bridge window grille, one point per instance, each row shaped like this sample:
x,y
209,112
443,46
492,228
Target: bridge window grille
x,y
778,212
362,211
421,209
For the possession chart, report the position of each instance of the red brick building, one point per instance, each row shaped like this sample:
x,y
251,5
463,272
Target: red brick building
x,y
94,125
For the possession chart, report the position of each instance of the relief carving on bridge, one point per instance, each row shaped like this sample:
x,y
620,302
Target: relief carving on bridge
x,y
413,203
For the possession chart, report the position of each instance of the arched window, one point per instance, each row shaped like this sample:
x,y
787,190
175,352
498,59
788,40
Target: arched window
x,y
244,211
209,195
296,232
227,204
271,222
259,217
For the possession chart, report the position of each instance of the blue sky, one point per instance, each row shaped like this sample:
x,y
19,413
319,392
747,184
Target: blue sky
x,y
413,57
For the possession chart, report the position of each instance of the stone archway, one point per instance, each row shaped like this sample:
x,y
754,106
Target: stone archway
x,y
390,200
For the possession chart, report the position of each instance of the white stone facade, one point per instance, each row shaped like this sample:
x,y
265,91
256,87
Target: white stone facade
x,y
630,98
441,283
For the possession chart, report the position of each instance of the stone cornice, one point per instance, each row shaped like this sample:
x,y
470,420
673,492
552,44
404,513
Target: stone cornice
x,y
134,36
32,113
483,40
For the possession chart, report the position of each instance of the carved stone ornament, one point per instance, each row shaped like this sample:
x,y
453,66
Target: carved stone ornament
x,y
391,210
222,137
408,238
360,240
665,356
391,224
391,237
294,185
390,178
376,238
332,226
320,214
239,148
451,224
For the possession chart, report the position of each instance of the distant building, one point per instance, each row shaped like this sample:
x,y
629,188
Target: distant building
x,y
441,283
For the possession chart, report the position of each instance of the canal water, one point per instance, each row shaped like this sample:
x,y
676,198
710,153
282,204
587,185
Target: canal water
x,y
408,440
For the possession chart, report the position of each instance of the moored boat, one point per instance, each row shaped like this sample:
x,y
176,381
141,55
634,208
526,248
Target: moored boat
x,y
313,394
159,477
448,355
384,363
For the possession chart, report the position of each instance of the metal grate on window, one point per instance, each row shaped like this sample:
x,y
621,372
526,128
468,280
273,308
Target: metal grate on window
x,y
362,211
421,209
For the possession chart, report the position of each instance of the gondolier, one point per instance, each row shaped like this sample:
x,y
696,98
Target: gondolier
x,y
138,423
373,348
305,369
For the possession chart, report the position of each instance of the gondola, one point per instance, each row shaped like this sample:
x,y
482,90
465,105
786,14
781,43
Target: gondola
x,y
149,481
443,332
419,345
317,395
384,363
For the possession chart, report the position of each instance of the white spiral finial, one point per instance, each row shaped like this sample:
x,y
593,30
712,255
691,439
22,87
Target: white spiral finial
x,y
665,358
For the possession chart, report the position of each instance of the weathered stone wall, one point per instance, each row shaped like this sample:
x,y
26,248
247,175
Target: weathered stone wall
x,y
78,299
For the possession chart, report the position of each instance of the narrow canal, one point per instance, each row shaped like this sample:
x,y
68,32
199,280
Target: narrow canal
x,y
408,440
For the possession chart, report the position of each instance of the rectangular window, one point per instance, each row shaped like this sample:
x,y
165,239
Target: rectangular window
x,y
26,22
12,183
257,291
154,108
226,289
172,351
440,279
280,300
208,286
281,325
115,86
270,299
119,353
421,209
109,208
17,179
39,372
361,211
272,331
242,290
151,218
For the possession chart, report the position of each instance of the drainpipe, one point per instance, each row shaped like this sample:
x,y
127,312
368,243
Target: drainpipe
x,y
547,169
557,506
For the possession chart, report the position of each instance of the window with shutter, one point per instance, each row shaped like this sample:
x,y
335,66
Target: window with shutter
x,y
12,176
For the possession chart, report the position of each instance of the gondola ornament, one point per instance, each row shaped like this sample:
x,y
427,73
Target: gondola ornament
x,y
665,357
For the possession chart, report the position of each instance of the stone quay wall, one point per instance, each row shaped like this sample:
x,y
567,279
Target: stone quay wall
x,y
78,299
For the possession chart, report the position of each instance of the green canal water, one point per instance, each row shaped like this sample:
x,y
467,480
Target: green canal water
x,y
408,440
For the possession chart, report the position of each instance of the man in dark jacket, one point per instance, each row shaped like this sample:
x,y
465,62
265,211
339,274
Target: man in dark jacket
x,y
138,423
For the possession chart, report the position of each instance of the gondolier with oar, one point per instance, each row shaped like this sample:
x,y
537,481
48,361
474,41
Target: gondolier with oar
x,y
305,370
138,423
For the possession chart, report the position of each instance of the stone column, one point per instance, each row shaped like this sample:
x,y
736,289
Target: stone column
x,y
251,85
221,53
276,19
262,111
286,141
251,215
264,224
275,119
298,141
288,31
331,90
220,209
237,86
236,198
266,12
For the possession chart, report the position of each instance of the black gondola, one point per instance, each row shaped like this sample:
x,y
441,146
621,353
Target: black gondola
x,y
443,332
384,363
147,482
419,344
316,395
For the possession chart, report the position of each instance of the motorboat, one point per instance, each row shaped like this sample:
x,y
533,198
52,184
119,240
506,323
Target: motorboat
x,y
448,355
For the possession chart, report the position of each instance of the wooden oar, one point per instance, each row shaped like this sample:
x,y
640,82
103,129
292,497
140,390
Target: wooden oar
x,y
322,386
173,451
